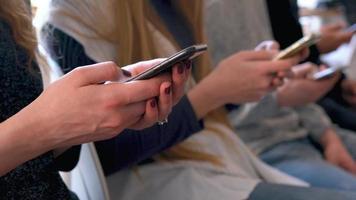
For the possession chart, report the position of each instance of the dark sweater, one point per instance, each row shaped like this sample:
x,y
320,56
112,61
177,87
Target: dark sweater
x,y
19,86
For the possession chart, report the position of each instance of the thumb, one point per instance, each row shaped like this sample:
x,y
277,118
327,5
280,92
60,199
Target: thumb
x,y
302,71
142,66
94,74
268,45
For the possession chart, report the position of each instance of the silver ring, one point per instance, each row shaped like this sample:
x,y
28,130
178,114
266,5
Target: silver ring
x,y
165,121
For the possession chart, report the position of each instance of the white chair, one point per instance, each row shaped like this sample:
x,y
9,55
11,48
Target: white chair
x,y
87,179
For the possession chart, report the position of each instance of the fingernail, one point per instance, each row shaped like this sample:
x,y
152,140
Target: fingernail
x,y
153,103
188,64
126,73
181,68
167,90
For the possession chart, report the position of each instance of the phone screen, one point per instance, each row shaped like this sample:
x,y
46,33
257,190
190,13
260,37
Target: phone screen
x,y
186,54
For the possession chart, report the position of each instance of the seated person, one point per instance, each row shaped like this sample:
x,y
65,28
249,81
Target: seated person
x,y
212,158
38,124
338,103
283,129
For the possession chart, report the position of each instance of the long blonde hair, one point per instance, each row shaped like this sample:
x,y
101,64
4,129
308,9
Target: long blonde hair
x,y
17,13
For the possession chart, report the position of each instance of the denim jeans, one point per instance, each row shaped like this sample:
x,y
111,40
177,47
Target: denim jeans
x,y
302,159
264,191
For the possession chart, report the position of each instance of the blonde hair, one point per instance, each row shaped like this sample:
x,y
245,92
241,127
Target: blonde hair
x,y
17,13
134,42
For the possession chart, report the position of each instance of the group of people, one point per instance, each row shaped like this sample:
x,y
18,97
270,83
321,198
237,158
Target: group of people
x,y
232,124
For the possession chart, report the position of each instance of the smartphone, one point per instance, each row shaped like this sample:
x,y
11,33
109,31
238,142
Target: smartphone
x,y
351,28
326,73
298,46
186,54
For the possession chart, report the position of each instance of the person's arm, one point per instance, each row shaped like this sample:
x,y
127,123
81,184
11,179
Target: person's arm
x,y
76,109
131,146
315,120
23,137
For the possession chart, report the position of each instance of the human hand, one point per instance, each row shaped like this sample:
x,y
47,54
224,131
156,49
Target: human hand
x,y
336,153
300,89
349,91
332,36
243,77
170,94
78,109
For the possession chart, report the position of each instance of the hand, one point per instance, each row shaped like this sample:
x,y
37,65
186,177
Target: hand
x,y
77,109
170,93
349,92
300,89
332,36
336,153
243,77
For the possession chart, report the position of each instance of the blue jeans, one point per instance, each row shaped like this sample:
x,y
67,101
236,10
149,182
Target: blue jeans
x,y
302,159
264,191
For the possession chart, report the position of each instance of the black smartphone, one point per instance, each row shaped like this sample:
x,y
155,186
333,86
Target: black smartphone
x,y
326,73
186,54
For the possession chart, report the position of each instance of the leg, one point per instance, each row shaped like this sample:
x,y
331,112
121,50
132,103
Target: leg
x,y
301,159
281,192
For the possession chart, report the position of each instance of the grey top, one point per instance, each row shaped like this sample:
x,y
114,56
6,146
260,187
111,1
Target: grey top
x,y
264,124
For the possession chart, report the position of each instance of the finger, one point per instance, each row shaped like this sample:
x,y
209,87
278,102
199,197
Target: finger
x,y
132,114
304,53
348,164
142,66
94,74
257,55
134,91
304,70
351,99
149,118
345,37
165,100
277,82
268,45
179,80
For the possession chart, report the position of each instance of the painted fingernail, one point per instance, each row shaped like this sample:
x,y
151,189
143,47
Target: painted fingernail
x,y
167,90
181,68
126,73
153,103
188,64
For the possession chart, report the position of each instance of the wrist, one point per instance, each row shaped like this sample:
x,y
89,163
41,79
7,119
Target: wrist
x,y
329,138
204,99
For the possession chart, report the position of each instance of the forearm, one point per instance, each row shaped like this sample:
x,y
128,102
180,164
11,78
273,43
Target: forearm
x,y
315,120
204,99
21,139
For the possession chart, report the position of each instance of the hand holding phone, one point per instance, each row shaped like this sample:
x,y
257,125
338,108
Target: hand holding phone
x,y
186,54
326,73
298,46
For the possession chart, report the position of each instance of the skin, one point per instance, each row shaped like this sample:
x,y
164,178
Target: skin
x,y
77,109
243,77
349,91
332,36
301,89
336,153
